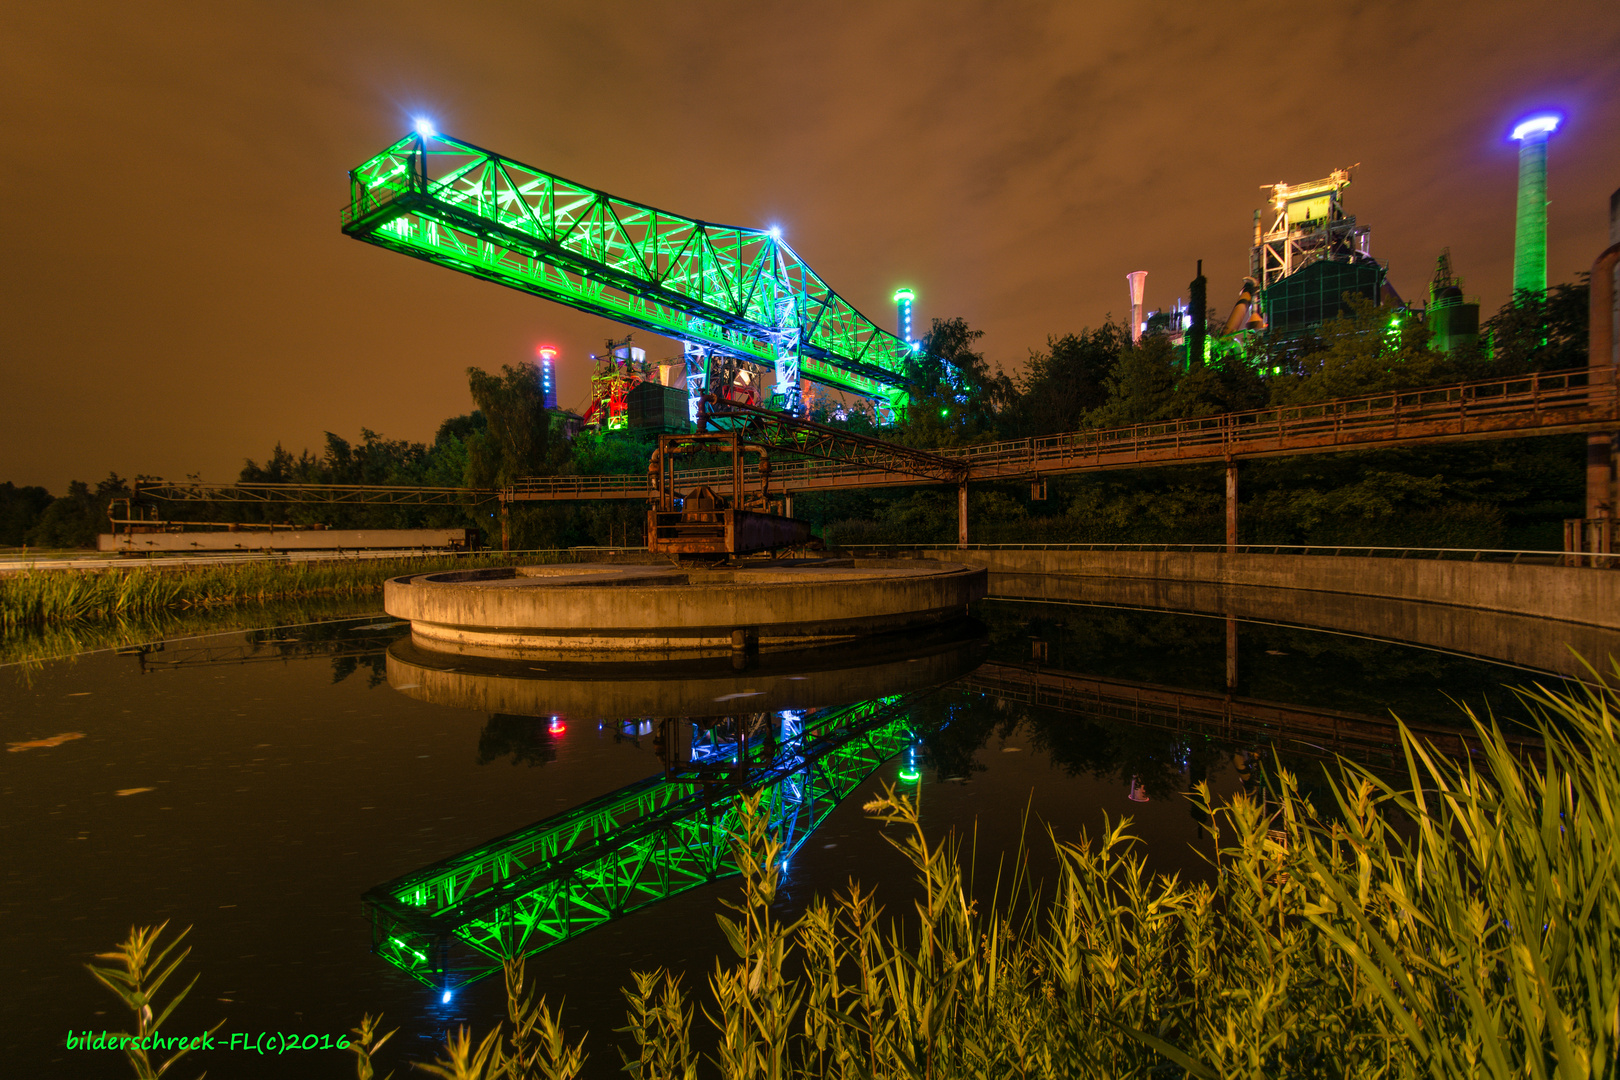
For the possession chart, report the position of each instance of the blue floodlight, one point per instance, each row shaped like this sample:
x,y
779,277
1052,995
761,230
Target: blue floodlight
x,y
776,232
1541,123
424,127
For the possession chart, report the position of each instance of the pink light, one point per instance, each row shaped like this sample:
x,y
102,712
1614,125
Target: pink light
x,y
558,726
547,352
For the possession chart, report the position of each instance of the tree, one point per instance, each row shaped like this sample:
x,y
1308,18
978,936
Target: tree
x,y
1542,333
955,397
20,510
1369,350
1061,385
517,439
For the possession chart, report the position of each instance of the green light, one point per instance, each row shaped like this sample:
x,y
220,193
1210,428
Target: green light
x,y
910,775
944,412
904,294
522,893
733,289
420,956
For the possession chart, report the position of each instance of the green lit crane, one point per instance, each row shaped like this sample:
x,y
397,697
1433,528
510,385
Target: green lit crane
x,y
723,290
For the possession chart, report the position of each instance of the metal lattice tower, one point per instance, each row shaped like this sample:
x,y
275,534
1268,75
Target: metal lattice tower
x,y
1310,224
724,290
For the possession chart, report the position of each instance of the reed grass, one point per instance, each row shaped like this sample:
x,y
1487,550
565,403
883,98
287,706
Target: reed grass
x,y
1464,921
31,646
46,597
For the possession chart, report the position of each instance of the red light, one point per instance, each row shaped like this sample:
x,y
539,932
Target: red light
x,y
547,352
558,726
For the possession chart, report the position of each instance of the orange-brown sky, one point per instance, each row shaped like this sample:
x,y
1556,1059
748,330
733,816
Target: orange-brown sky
x,y
177,294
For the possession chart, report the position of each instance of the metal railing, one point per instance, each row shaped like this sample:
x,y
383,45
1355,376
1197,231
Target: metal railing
x,y
1491,555
1577,399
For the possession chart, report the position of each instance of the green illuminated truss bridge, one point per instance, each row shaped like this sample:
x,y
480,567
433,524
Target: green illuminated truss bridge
x,y
456,921
721,289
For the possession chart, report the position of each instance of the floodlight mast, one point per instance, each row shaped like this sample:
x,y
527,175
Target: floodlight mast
x,y
724,291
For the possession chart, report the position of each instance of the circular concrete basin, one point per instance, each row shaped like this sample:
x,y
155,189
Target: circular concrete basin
x,y
607,610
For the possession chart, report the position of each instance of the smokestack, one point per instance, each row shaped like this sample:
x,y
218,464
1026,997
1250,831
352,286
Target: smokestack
x,y
1530,226
1197,310
1138,280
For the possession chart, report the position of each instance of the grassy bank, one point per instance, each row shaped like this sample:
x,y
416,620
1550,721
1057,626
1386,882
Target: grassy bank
x,y
53,597
30,645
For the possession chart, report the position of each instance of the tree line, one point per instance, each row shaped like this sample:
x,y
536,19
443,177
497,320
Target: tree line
x,y
1510,493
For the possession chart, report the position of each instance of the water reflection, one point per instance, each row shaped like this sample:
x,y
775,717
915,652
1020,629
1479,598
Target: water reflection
x,y
801,729
806,729
453,922
255,784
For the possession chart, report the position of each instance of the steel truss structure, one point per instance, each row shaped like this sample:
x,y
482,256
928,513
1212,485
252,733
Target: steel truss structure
x,y
763,427
1310,224
722,289
456,921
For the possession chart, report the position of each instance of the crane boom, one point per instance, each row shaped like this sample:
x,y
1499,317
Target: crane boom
x,y
735,291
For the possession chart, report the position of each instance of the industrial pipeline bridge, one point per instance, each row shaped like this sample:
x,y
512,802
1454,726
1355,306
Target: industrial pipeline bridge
x,y
810,457
723,290
1541,403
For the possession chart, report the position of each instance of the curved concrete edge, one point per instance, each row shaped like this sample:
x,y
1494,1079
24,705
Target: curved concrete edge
x,y
494,615
617,691
1523,641
1581,595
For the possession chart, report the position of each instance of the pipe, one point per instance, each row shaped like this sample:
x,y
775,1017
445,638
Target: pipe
x,y
1239,319
1138,282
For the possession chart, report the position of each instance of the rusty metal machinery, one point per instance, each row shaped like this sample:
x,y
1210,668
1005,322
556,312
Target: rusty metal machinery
x,y
704,522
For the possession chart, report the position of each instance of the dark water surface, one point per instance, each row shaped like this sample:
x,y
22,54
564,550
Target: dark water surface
x,y
254,785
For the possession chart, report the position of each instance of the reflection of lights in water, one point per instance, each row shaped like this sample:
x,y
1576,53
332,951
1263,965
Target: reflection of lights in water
x,y
445,1000
909,772
558,725
1137,793
644,728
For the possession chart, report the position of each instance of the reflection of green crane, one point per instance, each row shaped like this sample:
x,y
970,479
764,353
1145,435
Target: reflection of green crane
x,y
455,921
723,290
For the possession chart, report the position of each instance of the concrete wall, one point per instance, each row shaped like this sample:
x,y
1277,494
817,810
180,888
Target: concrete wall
x,y
1583,596
284,540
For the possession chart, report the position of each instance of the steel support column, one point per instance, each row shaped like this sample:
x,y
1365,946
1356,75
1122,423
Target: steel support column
x,y
1231,656
961,516
1603,351
1231,506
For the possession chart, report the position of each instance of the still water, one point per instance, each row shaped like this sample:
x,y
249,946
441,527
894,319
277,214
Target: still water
x,y
254,785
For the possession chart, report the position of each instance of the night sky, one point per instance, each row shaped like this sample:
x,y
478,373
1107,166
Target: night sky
x,y
177,294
